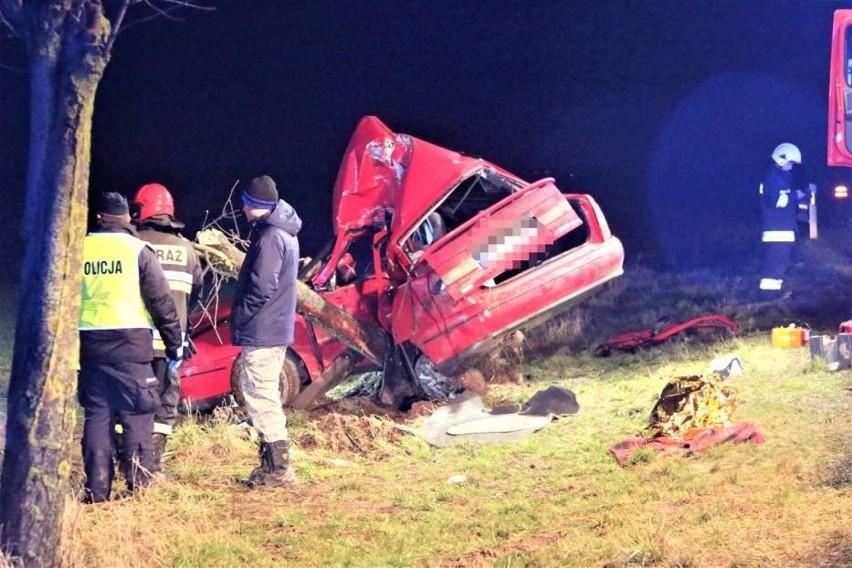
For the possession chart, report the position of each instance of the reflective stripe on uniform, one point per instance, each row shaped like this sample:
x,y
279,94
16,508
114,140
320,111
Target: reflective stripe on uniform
x,y
779,236
159,344
770,284
179,281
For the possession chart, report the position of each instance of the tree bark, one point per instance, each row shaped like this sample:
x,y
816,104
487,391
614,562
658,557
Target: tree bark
x,y
362,339
340,368
67,42
368,340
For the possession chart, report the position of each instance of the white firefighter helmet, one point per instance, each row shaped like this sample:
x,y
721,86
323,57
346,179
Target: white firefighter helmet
x,y
786,152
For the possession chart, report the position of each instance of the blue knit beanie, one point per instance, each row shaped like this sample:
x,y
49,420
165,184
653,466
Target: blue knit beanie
x,y
261,193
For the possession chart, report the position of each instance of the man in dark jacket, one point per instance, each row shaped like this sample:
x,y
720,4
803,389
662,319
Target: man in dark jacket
x,y
124,294
778,204
262,323
153,212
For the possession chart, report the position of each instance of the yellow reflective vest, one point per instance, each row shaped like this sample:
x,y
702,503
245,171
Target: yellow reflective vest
x,y
111,297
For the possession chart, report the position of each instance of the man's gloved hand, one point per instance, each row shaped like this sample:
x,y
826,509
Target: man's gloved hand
x,y
783,199
812,187
189,349
173,365
174,360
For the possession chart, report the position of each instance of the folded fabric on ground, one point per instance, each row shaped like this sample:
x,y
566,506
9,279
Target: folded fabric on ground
x,y
690,442
552,401
500,424
467,419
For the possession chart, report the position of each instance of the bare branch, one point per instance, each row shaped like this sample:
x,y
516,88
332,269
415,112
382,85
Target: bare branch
x,y
215,245
116,26
188,4
166,12
11,14
11,18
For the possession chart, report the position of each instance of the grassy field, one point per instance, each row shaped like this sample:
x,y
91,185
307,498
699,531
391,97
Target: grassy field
x,y
374,495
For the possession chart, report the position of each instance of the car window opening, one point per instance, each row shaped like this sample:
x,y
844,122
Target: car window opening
x,y
471,196
567,242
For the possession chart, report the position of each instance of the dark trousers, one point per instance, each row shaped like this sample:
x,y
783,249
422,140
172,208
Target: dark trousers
x,y
777,260
168,387
123,393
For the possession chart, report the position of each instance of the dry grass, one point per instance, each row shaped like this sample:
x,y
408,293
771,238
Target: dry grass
x,y
372,495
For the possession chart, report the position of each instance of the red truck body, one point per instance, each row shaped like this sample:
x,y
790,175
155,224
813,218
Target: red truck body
x,y
840,91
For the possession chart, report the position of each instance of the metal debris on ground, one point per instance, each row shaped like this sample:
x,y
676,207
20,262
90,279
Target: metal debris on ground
x,y
664,329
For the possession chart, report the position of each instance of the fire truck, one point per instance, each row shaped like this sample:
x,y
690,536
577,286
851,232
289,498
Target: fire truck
x,y
840,109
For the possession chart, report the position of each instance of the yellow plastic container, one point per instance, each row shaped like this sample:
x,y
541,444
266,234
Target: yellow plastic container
x,y
790,336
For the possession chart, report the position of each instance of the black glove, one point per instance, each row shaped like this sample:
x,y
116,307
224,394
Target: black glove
x,y
189,349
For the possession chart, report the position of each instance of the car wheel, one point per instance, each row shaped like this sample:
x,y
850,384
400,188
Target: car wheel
x,y
292,380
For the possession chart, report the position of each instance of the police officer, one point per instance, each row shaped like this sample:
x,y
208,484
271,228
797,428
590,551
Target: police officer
x,y
778,204
153,212
124,295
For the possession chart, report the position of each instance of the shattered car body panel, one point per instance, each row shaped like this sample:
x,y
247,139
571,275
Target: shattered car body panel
x,y
501,238
452,323
451,253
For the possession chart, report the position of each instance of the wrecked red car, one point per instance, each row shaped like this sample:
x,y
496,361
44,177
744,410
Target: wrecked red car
x,y
445,253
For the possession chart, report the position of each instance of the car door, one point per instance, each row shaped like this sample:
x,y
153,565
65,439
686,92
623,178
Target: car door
x,y
840,91
460,285
502,238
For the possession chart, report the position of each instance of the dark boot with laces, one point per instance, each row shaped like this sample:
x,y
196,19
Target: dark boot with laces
x,y
274,469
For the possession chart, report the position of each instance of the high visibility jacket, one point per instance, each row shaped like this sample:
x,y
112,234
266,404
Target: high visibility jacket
x,y
110,294
180,264
122,281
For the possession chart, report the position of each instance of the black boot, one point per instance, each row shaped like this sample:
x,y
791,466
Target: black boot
x,y
274,469
159,440
259,470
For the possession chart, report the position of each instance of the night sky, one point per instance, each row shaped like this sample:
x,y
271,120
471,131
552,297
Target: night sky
x,y
665,111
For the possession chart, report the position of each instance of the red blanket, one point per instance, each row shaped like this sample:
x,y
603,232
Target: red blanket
x,y
693,441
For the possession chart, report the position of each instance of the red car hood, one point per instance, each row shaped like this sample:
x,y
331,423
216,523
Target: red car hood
x,y
383,170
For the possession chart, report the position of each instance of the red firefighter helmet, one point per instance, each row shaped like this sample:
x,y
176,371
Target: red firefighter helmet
x,y
152,199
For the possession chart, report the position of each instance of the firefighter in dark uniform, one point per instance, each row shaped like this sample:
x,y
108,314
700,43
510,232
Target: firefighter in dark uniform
x,y
778,204
153,212
124,295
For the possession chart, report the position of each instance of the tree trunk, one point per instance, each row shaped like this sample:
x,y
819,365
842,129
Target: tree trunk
x,y
66,42
362,339
340,368
368,340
